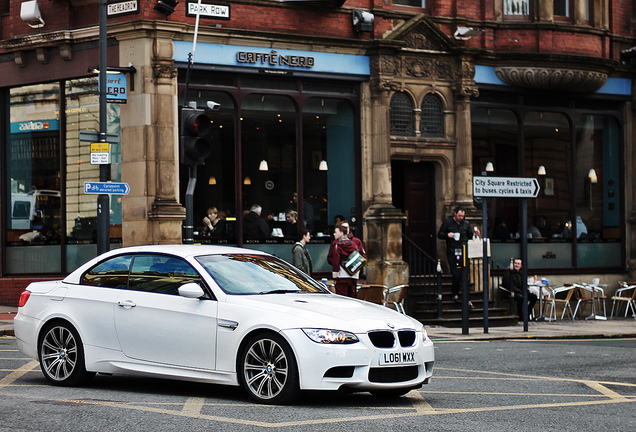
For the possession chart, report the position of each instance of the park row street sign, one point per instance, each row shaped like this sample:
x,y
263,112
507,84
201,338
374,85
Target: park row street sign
x,y
506,187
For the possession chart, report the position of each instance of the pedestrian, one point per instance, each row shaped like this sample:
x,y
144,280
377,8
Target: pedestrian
x,y
339,251
354,239
300,254
456,231
513,282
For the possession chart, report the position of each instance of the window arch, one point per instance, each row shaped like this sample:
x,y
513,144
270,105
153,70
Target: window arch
x,y
402,115
432,124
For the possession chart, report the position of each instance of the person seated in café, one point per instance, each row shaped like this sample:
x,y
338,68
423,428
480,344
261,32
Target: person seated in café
x,y
291,227
500,230
513,282
254,226
534,230
213,223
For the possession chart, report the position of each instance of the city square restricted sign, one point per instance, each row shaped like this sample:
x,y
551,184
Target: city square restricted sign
x,y
506,187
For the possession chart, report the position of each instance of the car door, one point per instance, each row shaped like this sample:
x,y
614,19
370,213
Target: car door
x,y
155,324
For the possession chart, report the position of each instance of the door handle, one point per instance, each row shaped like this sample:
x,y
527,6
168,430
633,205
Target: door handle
x,y
126,304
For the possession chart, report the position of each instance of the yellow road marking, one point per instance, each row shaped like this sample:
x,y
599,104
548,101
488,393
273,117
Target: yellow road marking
x,y
193,406
17,373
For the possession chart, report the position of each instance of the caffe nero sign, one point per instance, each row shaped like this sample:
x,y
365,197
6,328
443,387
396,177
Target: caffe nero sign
x,y
274,59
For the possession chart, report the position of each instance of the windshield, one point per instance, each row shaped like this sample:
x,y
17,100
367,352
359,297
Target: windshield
x,y
257,274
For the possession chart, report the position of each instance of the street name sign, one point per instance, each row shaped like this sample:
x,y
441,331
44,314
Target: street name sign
x,y
92,136
506,187
108,188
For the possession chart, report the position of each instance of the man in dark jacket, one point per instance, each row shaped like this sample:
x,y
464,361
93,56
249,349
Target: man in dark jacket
x,y
456,231
513,282
255,227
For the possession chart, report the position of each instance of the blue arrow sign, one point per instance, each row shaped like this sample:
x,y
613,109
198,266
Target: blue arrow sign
x,y
106,188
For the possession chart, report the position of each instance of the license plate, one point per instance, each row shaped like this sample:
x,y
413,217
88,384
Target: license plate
x,y
397,358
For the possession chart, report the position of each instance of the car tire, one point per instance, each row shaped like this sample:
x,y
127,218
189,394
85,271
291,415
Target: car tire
x,y
268,369
61,355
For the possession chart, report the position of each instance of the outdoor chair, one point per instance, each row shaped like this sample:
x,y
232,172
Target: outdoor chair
x,y
556,298
372,293
583,296
623,295
394,298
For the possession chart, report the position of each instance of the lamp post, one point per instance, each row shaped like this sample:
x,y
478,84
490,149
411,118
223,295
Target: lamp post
x,y
103,234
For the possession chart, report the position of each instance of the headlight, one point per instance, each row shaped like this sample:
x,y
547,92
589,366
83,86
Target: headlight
x,y
424,334
326,336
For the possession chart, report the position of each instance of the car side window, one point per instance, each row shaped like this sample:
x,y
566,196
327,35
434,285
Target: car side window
x,y
160,274
112,273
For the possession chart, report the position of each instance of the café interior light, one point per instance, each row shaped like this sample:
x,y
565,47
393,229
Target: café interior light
x,y
323,165
592,176
541,171
212,180
490,167
263,166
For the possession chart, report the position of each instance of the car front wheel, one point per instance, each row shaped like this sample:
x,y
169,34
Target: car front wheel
x,y
62,356
268,370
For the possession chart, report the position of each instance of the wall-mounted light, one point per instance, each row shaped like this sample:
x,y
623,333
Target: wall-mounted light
x,y
212,180
490,167
30,14
323,166
362,21
541,171
263,166
465,33
166,6
592,176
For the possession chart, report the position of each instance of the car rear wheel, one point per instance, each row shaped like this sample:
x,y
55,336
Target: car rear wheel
x,y
62,356
268,370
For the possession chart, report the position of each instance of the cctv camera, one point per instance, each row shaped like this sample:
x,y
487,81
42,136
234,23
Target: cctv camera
x,y
465,33
214,106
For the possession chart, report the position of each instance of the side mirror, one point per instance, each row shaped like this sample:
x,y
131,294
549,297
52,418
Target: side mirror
x,y
191,290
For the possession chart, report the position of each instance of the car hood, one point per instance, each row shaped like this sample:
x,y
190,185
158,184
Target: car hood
x,y
328,311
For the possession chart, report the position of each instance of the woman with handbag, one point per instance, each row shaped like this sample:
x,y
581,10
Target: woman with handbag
x,y
345,271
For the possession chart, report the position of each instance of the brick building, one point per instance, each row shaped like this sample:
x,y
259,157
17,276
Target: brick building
x,y
404,101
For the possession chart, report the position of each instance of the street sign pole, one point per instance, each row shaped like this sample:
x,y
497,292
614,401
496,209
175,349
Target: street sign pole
x,y
103,214
507,187
485,266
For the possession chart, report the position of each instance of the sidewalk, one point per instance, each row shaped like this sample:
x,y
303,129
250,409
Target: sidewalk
x,y
579,329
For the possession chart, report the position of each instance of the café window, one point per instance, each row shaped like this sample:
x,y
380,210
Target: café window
x,y
292,156
575,220
49,222
402,115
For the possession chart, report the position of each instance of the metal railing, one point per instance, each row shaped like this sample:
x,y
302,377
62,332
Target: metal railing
x,y
425,273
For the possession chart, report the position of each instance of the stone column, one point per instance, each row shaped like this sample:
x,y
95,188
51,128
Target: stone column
x,y
151,213
383,221
462,92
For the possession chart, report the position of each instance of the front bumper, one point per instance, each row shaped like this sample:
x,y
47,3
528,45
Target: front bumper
x,y
358,366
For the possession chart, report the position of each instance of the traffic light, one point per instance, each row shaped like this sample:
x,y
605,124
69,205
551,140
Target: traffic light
x,y
195,128
166,6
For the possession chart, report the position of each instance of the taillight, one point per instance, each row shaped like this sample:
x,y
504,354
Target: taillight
x,y
23,298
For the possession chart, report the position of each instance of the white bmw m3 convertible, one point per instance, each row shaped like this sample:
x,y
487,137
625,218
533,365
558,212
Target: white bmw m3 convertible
x,y
220,315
